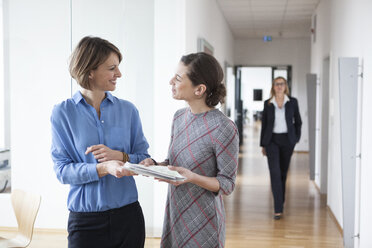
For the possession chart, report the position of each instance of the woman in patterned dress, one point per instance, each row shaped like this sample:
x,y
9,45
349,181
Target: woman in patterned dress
x,y
204,148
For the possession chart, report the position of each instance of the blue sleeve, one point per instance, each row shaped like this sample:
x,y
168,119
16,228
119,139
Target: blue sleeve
x,y
138,141
62,150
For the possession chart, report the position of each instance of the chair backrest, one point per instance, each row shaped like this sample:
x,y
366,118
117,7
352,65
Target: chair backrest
x,y
26,206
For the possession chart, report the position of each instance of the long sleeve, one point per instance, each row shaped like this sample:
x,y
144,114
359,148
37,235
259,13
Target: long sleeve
x,y
263,124
227,151
66,170
297,121
139,144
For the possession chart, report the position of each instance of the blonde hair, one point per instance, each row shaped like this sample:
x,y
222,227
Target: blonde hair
x,y
90,53
272,91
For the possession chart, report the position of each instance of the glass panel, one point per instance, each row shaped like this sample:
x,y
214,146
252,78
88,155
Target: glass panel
x,y
255,79
5,180
2,87
281,73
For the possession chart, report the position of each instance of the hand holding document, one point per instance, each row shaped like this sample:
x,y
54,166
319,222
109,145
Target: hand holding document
x,y
162,172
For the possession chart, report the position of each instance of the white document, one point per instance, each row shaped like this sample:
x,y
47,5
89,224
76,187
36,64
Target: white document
x,y
161,172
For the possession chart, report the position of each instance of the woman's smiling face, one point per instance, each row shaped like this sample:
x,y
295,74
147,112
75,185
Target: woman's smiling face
x,y
182,87
104,77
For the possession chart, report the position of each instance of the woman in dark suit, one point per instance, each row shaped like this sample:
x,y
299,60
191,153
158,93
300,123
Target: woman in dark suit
x,y
281,130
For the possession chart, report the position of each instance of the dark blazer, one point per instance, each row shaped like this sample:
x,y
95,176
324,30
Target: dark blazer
x,y
292,117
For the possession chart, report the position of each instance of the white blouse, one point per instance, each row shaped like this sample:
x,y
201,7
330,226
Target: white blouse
x,y
280,124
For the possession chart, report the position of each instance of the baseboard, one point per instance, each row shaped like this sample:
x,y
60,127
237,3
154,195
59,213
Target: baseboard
x,y
333,217
36,230
301,152
50,230
329,211
154,233
8,229
317,188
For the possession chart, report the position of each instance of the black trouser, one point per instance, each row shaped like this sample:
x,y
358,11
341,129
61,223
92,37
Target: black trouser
x,y
279,153
121,227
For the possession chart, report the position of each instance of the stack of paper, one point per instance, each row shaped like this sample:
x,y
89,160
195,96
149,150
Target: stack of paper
x,y
161,172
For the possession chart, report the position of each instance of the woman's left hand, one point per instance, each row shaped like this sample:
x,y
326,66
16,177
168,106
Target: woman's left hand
x,y
102,153
189,175
147,162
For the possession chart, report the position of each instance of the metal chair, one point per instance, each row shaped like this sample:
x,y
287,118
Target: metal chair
x,y
25,206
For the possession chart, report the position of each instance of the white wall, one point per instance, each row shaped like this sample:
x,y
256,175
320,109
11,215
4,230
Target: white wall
x,y
295,52
346,35
38,79
138,83
204,19
345,42
366,142
320,49
169,46
230,92
338,38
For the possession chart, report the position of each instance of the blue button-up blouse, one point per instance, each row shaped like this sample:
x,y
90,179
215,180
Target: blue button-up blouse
x,y
76,126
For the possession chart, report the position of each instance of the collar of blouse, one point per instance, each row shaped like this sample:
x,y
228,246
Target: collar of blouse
x,y
273,101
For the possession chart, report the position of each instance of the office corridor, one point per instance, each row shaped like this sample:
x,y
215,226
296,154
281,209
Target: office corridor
x,y
306,222
249,222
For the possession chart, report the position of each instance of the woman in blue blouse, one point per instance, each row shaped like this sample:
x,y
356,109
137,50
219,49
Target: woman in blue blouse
x,y
93,135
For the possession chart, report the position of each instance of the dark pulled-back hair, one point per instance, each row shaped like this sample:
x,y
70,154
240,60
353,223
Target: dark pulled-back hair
x,y
205,69
90,53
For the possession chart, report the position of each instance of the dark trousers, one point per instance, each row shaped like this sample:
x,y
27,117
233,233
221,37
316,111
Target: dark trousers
x,y
121,227
279,153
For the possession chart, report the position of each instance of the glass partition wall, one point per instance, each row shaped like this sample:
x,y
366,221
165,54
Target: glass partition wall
x,y
5,171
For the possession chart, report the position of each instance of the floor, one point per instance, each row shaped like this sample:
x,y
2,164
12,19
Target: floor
x,y
306,222
249,224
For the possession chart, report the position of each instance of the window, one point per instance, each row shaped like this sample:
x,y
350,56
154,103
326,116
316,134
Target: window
x,y
2,86
5,169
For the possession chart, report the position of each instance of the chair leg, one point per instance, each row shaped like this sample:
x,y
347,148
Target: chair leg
x,y
18,241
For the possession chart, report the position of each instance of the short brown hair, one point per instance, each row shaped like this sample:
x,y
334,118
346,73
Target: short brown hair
x,y
205,69
90,53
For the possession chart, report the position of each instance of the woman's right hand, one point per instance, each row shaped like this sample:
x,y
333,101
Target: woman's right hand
x,y
102,153
263,151
114,168
147,162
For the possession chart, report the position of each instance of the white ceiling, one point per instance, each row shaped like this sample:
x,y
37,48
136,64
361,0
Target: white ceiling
x,y
278,18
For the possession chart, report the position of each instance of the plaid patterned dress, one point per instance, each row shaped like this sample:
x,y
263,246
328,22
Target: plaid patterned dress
x,y
208,145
